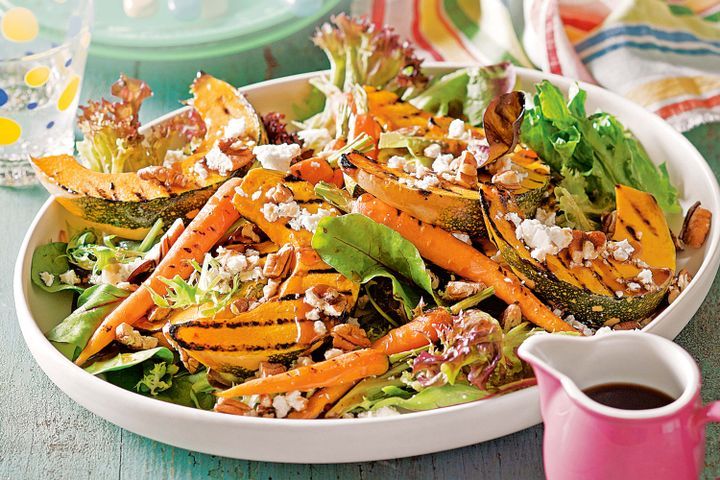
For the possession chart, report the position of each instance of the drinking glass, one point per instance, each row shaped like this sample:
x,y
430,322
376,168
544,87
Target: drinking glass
x,y
43,48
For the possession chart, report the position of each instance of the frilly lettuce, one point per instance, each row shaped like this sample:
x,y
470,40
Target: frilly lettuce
x,y
112,142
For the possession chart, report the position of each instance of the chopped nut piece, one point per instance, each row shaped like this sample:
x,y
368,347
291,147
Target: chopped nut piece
x,y
166,176
239,306
629,325
279,264
466,175
679,283
158,314
511,316
280,193
679,244
586,245
266,369
231,406
132,339
696,226
326,299
608,222
508,179
349,337
238,151
458,290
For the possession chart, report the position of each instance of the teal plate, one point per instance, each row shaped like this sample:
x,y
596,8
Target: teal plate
x,y
189,29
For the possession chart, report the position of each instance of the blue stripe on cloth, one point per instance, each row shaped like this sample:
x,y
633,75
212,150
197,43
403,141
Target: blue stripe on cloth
x,y
648,46
640,30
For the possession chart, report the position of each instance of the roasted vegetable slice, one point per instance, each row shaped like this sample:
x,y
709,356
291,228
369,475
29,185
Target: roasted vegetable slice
x,y
446,205
598,291
127,204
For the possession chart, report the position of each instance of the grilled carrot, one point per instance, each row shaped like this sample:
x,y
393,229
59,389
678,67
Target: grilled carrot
x,y
321,399
434,243
416,333
341,370
206,228
315,170
365,123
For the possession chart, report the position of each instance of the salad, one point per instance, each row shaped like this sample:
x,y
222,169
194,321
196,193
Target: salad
x,y
386,254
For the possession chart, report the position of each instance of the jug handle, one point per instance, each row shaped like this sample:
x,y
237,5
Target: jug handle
x,y
711,412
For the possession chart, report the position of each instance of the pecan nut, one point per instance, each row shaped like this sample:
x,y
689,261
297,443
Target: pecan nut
x,y
349,337
132,339
164,175
696,226
459,290
279,264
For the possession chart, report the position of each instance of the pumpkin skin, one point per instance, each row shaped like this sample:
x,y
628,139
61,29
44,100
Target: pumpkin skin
x,y
589,292
126,205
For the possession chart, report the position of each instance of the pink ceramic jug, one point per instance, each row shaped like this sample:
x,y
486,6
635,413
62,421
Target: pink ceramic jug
x,y
588,440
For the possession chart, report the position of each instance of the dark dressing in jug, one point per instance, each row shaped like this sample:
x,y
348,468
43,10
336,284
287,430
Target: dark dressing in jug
x,y
628,396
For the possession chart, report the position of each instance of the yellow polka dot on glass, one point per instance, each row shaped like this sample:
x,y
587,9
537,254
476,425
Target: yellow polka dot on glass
x,y
43,48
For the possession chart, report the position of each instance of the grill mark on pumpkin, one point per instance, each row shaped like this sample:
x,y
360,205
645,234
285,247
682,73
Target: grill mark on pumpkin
x,y
644,220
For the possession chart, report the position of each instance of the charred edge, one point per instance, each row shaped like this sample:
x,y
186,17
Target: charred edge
x,y
234,348
346,163
290,178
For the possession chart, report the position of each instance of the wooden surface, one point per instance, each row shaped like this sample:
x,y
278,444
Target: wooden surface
x,y
44,435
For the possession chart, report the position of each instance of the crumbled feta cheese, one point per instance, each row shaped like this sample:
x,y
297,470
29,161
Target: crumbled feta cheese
x,y
442,164
281,406
256,195
173,156
507,280
200,170
116,273
620,251
514,218
634,286
646,277
397,161
432,151
234,128
272,212
315,138
296,401
463,237
277,157
69,278
427,182
319,327
313,314
380,412
603,331
218,161
303,361
619,294
332,353
541,239
47,278
456,129
309,221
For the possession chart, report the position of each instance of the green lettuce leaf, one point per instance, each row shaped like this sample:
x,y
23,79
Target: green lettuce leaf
x,y
598,148
467,91
362,249
72,334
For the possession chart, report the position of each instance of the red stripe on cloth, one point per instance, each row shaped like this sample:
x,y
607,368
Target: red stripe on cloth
x,y
419,37
687,105
552,55
583,24
452,29
377,13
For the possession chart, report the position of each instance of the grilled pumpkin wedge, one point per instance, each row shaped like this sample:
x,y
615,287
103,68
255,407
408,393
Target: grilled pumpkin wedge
x,y
275,331
603,290
446,205
125,204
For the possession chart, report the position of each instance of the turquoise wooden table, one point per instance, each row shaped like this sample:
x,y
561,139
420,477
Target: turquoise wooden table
x,y
44,435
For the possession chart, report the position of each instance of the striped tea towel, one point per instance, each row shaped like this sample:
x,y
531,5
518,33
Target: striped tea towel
x,y
664,55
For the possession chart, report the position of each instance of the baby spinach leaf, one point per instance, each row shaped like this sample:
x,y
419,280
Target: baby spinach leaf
x,y
51,258
72,334
362,249
127,360
434,397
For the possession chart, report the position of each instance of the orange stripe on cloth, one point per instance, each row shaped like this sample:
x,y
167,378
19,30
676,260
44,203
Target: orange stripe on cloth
x,y
681,107
419,35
